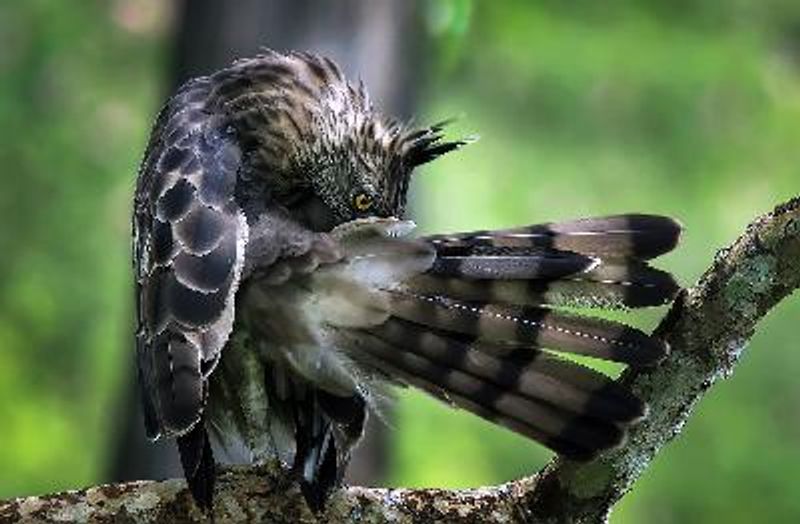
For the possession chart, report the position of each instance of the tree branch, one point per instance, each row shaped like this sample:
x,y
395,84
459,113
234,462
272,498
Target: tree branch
x,y
707,328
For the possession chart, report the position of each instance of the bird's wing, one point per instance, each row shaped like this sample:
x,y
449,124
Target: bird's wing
x,y
470,316
590,262
189,241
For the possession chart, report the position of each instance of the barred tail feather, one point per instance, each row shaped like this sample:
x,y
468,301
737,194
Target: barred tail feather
x,y
503,265
578,436
637,236
629,285
531,327
527,371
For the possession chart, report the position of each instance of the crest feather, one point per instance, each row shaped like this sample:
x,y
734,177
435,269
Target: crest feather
x,y
423,145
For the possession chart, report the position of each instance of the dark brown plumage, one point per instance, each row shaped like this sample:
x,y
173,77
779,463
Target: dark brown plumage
x,y
279,290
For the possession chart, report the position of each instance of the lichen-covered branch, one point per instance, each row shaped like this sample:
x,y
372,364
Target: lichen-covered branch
x,y
707,329
265,494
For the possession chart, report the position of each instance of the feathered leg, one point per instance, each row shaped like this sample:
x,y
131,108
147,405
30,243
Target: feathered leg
x,y
326,427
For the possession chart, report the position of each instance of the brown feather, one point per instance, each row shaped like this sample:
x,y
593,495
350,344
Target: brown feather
x,y
575,436
526,371
610,286
531,326
638,236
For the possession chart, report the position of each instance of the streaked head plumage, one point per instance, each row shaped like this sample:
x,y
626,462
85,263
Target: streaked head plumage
x,y
357,159
307,122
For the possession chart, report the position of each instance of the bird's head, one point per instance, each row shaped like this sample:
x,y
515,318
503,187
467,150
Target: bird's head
x,y
315,128
357,161
366,172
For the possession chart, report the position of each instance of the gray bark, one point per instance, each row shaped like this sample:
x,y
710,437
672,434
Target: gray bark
x,y
707,328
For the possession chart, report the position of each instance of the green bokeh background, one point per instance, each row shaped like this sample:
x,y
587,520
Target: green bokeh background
x,y
687,108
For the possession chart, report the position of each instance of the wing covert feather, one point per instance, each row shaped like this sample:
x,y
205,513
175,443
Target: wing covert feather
x,y
189,243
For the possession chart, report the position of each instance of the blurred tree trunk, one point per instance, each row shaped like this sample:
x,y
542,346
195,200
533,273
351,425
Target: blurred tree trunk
x,y
379,41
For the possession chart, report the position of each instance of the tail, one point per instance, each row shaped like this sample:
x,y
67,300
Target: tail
x,y
472,328
198,465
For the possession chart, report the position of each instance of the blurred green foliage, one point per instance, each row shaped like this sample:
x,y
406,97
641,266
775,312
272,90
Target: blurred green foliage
x,y
691,109
77,91
688,108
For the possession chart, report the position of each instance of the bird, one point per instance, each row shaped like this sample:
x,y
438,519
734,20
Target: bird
x,y
282,294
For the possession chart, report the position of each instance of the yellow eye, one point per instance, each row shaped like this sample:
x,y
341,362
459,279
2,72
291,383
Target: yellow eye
x,y
362,202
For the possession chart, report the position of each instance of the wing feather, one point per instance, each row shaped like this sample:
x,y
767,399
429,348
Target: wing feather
x,y
189,245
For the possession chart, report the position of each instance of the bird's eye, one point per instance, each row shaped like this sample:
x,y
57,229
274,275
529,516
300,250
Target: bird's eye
x,y
362,202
